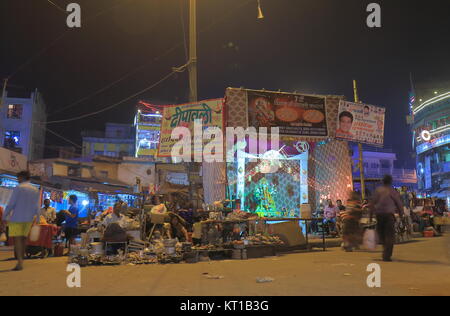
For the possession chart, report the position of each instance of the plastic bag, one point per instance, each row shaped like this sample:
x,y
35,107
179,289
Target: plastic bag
x,y
370,239
35,233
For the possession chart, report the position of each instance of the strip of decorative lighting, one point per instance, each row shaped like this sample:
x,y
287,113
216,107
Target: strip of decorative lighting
x,y
431,101
441,129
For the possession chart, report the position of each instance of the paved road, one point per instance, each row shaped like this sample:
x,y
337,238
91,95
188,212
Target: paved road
x,y
420,268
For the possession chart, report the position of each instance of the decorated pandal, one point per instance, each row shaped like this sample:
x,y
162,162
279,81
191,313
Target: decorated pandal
x,y
274,184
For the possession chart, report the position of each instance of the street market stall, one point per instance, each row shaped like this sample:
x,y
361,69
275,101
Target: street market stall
x,y
43,245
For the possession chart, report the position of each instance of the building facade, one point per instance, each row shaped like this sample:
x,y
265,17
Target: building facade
x,y
116,141
431,139
377,163
22,123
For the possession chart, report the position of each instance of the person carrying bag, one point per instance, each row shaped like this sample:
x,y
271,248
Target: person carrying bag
x,y
385,204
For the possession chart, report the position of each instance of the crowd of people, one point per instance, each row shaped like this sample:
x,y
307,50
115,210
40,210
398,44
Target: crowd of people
x,y
23,210
387,205
391,208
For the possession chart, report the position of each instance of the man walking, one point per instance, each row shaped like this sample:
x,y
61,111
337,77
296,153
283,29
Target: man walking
x,y
386,202
22,207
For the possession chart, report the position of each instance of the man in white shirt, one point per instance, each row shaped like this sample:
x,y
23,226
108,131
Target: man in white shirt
x,y
48,212
114,217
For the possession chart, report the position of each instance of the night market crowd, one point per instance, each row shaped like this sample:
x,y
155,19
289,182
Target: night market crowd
x,y
391,211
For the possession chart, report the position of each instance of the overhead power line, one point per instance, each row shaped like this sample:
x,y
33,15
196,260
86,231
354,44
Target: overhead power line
x,y
57,6
115,104
128,74
207,28
42,51
63,138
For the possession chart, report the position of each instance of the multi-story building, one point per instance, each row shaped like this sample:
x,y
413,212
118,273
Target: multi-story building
x,y
377,163
22,124
117,140
431,138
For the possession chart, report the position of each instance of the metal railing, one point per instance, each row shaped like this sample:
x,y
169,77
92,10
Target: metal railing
x,y
396,173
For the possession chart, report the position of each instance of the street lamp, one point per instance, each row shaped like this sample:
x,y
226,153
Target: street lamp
x,y
260,13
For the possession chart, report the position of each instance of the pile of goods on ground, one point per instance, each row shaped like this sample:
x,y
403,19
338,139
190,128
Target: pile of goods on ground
x,y
260,239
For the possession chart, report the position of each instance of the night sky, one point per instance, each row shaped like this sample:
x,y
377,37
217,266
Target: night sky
x,y
311,46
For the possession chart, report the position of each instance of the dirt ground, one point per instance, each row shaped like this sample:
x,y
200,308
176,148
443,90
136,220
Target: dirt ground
x,y
420,267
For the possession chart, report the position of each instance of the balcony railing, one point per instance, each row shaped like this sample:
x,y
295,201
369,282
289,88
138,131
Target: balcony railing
x,y
397,174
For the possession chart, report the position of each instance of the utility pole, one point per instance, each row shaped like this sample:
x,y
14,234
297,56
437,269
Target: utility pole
x,y
5,82
192,68
192,51
360,150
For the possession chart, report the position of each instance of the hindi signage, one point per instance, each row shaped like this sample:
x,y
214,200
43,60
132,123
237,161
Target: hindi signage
x,y
209,112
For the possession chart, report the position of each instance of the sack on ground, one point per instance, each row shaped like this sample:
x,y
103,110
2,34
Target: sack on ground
x,y
370,239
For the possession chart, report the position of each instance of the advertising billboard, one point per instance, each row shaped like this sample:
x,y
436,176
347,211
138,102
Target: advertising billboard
x,y
361,123
294,114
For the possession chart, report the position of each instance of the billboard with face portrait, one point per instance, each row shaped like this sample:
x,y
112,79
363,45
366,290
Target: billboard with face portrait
x,y
293,114
361,123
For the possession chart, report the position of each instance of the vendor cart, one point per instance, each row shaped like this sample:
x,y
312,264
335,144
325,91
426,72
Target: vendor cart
x,y
44,245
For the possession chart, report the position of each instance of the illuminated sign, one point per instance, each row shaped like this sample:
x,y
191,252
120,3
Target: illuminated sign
x,y
147,133
426,135
431,102
444,140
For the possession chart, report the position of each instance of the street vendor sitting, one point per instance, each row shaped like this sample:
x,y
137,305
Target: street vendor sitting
x,y
177,229
114,231
330,213
48,212
114,217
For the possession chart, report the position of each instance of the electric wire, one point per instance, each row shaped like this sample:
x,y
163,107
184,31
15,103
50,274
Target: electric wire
x,y
62,137
57,6
207,28
42,51
115,104
167,52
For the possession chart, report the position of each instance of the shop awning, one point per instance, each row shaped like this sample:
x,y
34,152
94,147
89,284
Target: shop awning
x,y
173,188
90,184
168,188
443,194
